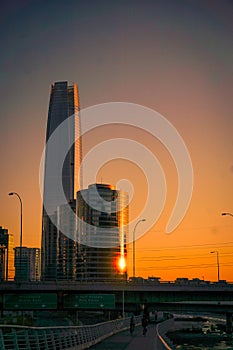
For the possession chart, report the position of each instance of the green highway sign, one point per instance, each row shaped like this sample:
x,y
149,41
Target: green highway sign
x,y
30,301
89,301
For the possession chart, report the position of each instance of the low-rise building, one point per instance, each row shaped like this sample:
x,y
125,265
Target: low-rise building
x,y
7,270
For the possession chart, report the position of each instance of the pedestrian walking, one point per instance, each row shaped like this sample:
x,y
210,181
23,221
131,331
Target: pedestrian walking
x,y
132,324
144,325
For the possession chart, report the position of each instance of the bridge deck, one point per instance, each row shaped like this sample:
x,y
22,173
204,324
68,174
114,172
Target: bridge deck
x,y
124,341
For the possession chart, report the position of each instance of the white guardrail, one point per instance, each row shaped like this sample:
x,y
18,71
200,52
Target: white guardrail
x,y
59,338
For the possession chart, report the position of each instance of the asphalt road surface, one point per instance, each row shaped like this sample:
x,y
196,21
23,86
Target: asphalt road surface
x,y
125,341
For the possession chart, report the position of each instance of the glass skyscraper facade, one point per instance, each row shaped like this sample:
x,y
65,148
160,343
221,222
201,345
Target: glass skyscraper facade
x,y
71,250
64,103
27,264
102,233
66,247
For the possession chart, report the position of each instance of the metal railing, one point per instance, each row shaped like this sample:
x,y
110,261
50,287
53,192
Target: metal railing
x,y
59,338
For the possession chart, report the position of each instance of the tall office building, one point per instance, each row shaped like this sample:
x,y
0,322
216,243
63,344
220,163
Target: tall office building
x,y
27,264
64,103
7,270
66,247
102,231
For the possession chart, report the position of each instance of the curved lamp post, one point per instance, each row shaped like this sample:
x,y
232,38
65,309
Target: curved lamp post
x,y
21,227
227,214
138,222
215,251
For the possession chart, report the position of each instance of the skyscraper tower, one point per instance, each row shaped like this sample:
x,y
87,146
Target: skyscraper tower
x,y
64,103
103,218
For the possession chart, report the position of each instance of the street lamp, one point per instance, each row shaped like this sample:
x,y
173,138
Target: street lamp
x,y
21,228
141,220
227,214
217,262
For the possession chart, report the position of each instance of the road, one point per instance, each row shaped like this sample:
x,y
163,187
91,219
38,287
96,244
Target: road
x,y
124,341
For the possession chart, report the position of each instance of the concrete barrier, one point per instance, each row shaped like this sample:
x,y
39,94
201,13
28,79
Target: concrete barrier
x,y
161,341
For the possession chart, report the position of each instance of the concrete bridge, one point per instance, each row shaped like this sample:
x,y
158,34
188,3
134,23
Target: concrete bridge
x,y
114,334
212,295
120,297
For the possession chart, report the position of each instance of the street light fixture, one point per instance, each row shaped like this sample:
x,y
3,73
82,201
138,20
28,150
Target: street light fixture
x,y
227,214
21,228
215,251
141,220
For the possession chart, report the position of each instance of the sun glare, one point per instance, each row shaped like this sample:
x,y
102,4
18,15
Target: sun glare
x,y
122,263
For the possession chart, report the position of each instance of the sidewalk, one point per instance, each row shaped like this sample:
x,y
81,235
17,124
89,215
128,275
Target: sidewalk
x,y
124,341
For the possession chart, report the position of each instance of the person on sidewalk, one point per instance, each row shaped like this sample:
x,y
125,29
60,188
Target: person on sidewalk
x,y
132,324
144,325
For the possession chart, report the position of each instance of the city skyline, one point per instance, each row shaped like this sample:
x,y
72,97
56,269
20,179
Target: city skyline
x,y
174,58
88,246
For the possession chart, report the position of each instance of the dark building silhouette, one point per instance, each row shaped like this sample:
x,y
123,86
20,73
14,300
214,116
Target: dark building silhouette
x,y
66,247
7,270
27,264
102,242
56,246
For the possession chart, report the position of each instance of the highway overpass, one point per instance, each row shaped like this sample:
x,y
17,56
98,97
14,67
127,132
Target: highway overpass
x,y
120,297
217,297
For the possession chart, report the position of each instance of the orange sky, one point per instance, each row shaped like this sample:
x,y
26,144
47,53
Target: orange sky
x,y
174,57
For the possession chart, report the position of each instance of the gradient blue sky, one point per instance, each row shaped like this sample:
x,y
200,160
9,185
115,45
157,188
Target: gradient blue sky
x,y
174,56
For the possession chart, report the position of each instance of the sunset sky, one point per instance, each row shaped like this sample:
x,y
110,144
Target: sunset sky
x,y
173,56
